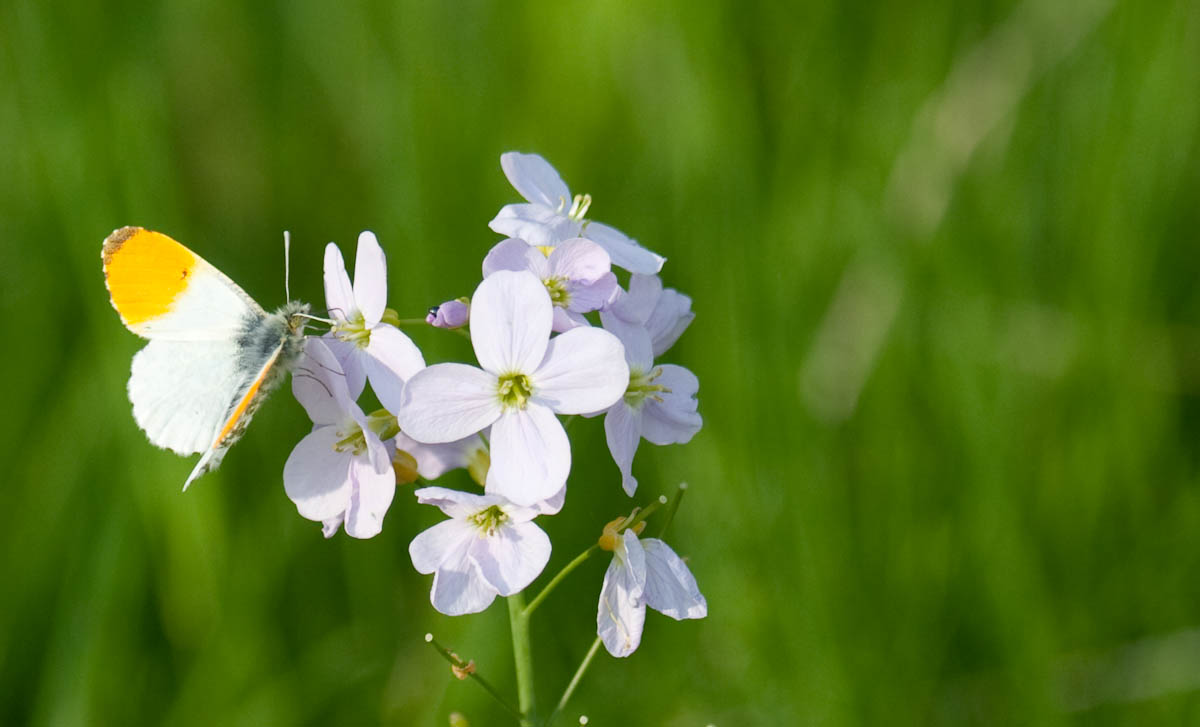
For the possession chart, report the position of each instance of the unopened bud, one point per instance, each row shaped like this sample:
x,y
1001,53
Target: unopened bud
x,y
405,466
478,463
608,540
458,720
451,314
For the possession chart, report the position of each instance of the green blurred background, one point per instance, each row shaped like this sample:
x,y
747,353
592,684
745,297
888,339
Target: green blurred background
x,y
944,261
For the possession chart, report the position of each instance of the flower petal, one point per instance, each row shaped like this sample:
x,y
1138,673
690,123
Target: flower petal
x,y
584,371
431,547
534,224
671,417
319,384
446,402
370,278
339,296
671,317
625,252
623,432
639,353
515,254
510,322
455,503
511,558
593,296
565,320
622,610
670,587
316,477
350,358
579,259
531,455
374,488
535,179
460,591
636,304
391,359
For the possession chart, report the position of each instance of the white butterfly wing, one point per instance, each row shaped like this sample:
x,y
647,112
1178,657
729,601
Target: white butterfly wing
x,y
181,391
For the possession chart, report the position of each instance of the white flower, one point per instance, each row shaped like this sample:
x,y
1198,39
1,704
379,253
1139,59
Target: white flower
x,y
643,573
665,314
577,275
488,547
659,404
553,216
340,473
366,347
525,379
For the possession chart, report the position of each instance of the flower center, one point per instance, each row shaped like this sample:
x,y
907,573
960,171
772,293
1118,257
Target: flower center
x,y
579,206
350,439
642,386
353,330
514,390
557,288
489,520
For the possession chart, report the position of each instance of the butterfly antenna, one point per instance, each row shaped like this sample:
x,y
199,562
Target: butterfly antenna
x,y
287,266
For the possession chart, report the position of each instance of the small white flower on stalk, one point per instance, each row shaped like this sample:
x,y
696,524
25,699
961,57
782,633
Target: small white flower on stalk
x,y
340,473
664,313
577,275
431,461
659,404
642,573
526,378
366,347
488,547
553,215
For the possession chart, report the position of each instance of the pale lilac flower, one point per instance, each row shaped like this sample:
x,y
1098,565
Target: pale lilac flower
x,y
659,404
488,547
664,313
643,573
340,473
366,347
526,378
577,275
451,314
553,216
431,461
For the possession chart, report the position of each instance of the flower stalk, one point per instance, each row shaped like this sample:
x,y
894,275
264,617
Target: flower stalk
x,y
522,657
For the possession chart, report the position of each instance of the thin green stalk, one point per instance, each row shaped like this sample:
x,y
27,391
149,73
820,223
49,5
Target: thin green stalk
x,y
522,657
662,531
537,601
562,702
451,657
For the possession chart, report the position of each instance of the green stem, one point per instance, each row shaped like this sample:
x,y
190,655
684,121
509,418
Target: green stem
x,y
451,657
562,702
672,509
537,601
522,657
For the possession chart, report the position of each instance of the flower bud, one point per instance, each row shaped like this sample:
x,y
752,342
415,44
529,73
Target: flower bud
x,y
451,314
405,466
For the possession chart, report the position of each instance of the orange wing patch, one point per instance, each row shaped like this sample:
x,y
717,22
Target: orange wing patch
x,y
145,272
246,407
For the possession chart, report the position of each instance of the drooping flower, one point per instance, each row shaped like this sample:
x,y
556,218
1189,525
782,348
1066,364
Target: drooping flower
x,y
659,403
526,378
366,347
664,313
553,216
451,314
488,547
577,275
643,573
340,473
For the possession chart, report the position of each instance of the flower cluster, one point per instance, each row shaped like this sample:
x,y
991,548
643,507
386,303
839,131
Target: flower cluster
x,y
554,334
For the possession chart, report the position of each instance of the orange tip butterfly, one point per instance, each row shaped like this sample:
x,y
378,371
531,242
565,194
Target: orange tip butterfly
x,y
214,353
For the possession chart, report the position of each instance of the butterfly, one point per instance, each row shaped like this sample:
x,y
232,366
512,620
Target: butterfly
x,y
214,353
